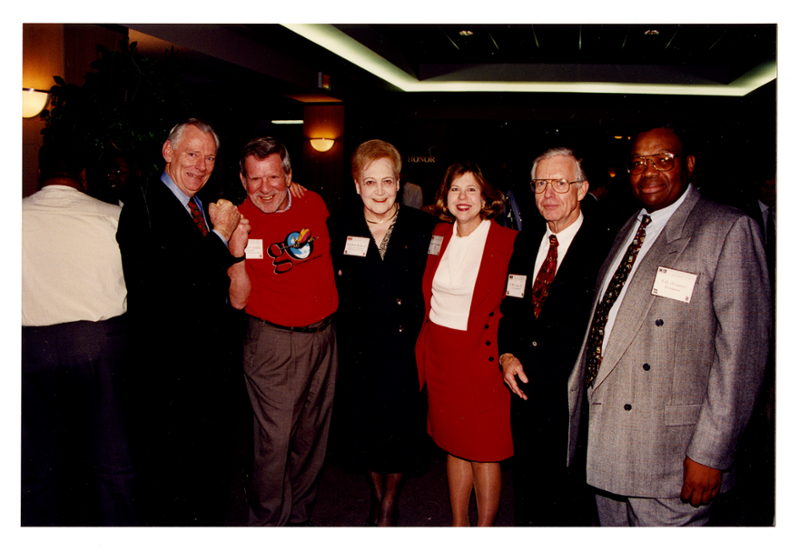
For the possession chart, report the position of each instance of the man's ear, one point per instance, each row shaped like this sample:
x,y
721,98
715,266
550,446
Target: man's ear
x,y
243,179
690,162
82,181
166,151
582,191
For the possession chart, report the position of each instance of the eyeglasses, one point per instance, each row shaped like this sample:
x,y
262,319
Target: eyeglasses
x,y
661,161
560,186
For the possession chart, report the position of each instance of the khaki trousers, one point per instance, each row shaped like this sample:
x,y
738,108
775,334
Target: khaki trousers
x,y
290,378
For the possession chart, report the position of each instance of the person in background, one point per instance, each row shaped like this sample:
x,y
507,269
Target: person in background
x,y
379,254
77,467
412,195
456,352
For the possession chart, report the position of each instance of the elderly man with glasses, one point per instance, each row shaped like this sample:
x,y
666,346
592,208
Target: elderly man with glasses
x,y
675,354
545,313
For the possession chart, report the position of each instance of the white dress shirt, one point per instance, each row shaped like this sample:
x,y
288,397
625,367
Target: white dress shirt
x,y
653,230
565,239
71,265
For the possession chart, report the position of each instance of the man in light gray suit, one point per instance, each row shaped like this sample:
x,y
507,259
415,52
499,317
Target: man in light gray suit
x,y
674,358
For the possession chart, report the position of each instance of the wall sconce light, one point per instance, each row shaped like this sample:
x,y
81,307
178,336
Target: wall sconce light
x,y
322,144
33,101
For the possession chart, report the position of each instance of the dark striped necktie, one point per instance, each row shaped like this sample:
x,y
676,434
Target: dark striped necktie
x,y
593,347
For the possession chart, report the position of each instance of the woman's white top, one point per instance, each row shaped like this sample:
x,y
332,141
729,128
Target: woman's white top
x,y
453,283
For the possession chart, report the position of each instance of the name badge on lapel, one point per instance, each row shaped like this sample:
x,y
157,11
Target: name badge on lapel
x,y
356,246
435,245
674,284
254,249
516,285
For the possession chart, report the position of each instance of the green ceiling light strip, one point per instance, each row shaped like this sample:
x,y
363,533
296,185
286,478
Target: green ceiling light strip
x,y
342,45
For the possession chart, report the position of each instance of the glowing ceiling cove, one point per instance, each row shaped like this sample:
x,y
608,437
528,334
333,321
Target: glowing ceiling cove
x,y
338,42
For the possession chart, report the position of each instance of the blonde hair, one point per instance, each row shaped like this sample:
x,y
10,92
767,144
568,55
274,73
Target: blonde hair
x,y
372,150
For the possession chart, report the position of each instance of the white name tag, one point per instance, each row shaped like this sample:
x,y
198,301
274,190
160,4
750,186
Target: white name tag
x,y
516,285
356,246
435,245
254,249
674,284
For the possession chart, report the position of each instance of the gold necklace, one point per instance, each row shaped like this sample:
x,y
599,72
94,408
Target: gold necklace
x,y
396,210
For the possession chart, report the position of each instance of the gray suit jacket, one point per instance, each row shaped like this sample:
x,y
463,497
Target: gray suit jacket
x,y
678,378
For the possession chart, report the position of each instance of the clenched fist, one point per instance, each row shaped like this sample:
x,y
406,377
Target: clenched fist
x,y
238,242
225,217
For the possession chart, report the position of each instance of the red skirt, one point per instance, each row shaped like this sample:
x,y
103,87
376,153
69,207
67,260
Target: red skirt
x,y
453,420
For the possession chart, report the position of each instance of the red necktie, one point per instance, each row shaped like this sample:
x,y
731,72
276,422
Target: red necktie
x,y
545,276
198,217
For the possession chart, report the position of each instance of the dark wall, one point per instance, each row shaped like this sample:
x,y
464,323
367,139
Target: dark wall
x,y
734,138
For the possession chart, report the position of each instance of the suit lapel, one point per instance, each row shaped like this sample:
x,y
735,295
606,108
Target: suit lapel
x,y
489,271
175,214
574,255
638,298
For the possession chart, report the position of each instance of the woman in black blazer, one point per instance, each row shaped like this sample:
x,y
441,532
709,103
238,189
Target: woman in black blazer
x,y
379,252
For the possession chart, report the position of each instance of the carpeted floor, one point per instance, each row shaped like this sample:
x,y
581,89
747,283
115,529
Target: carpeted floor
x,y
343,498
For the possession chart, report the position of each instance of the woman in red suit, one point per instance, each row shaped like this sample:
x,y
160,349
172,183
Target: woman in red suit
x,y
456,353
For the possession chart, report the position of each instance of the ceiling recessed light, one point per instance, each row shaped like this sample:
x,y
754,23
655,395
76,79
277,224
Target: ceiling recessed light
x,y
466,32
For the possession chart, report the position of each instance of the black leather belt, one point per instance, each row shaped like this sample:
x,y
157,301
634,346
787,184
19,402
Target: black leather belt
x,y
316,327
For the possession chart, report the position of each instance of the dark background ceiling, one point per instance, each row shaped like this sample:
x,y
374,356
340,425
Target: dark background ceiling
x,y
250,74
719,53
289,64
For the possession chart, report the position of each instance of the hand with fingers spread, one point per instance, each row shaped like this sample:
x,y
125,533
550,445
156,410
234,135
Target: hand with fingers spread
x,y
297,190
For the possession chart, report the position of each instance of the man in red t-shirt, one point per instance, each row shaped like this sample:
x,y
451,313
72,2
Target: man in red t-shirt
x,y
284,280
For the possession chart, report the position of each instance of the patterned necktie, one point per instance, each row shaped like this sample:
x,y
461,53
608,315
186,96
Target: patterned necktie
x,y
198,217
545,276
596,336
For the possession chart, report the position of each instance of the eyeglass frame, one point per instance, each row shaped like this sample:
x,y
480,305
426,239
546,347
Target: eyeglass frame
x,y
648,159
549,183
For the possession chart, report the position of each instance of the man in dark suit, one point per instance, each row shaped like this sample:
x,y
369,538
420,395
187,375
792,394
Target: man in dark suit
x,y
175,259
551,280
676,350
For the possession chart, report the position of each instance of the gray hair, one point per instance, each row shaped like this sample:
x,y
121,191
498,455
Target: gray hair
x,y
558,152
176,134
263,147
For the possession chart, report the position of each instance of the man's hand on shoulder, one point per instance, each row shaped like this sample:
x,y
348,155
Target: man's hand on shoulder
x,y
701,483
512,368
225,217
297,190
